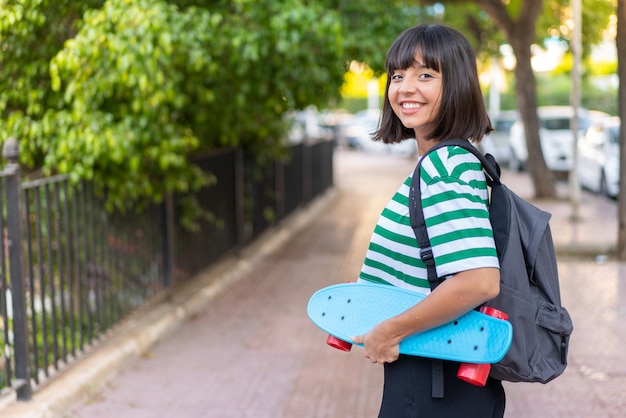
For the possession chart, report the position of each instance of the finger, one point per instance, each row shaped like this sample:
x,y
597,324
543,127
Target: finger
x,y
358,339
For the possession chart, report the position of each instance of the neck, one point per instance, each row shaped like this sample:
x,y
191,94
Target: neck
x,y
424,145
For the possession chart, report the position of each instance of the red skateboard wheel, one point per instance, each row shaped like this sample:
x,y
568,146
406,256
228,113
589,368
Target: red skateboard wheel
x,y
338,344
477,374
493,312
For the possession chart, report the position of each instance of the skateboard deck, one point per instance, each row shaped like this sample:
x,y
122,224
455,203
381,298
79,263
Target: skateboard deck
x,y
351,309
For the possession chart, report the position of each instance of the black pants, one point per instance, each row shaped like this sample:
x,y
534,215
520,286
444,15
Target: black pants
x,y
408,393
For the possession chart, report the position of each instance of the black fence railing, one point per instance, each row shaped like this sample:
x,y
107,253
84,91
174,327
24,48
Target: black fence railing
x,y
70,271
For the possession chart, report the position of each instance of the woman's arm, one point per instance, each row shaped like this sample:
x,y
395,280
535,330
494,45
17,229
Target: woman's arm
x,y
451,299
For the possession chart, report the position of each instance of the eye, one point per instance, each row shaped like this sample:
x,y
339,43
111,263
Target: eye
x,y
396,76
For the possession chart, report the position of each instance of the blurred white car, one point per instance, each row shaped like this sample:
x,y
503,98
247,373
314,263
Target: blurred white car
x,y
358,133
497,142
306,125
555,135
598,158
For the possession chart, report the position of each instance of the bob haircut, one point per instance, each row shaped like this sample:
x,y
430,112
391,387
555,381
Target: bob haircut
x,y
462,113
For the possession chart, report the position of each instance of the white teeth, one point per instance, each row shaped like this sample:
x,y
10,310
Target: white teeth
x,y
411,105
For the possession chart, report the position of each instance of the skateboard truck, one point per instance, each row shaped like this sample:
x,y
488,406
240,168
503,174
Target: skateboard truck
x,y
473,373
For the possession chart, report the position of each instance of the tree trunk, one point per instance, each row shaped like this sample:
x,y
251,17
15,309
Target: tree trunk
x,y
621,73
520,33
526,91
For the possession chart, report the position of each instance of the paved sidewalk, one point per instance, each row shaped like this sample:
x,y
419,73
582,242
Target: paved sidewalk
x,y
237,343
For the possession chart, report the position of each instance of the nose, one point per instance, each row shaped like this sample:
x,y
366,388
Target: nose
x,y
408,86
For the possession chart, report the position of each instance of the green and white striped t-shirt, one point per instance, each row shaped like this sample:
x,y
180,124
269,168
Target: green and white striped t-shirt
x,y
455,202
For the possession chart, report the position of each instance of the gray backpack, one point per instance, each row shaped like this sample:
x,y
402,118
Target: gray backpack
x,y
529,280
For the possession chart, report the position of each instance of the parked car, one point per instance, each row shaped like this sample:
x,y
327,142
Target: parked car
x,y
306,125
555,136
598,158
358,132
497,142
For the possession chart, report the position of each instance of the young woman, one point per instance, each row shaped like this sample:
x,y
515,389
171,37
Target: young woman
x,y
432,95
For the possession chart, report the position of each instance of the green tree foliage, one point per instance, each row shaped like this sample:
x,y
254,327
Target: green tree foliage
x,y
555,21
126,80
31,34
369,27
141,85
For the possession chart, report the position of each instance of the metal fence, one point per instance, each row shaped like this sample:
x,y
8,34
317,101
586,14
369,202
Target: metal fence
x,y
70,271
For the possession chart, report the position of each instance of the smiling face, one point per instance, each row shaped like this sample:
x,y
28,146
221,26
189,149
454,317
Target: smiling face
x,y
415,96
432,91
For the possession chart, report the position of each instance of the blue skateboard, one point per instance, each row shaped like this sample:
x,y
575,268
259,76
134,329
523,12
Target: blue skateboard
x,y
350,309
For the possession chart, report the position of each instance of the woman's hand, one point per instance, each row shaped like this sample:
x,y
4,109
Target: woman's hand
x,y
379,344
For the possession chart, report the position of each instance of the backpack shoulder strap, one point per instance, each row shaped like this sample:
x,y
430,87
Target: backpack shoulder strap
x,y
418,224
490,166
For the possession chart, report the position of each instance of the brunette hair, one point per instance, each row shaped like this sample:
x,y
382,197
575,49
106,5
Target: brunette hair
x,y
462,113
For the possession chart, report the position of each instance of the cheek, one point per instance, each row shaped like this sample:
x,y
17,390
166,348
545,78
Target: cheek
x,y
392,92
392,95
